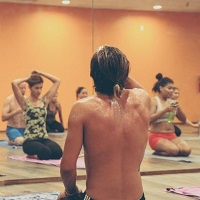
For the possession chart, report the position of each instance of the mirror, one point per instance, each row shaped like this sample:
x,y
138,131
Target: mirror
x,y
165,40
55,39
61,39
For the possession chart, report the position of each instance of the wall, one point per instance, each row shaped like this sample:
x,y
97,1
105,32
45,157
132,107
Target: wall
x,y
61,40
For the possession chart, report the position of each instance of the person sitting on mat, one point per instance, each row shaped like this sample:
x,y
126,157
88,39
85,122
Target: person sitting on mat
x,y
12,113
81,93
54,107
162,138
175,97
36,142
112,126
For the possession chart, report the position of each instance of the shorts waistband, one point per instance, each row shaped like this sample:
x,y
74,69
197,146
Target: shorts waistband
x,y
86,197
16,127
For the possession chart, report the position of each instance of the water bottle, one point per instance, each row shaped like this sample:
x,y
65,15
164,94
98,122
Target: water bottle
x,y
171,116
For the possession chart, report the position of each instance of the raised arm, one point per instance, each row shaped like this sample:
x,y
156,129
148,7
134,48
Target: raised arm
x,y
56,82
60,112
131,83
17,92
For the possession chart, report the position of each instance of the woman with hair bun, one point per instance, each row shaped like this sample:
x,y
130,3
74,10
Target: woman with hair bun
x,y
162,137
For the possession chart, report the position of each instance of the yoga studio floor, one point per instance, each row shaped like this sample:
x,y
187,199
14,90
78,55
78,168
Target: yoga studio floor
x,y
158,173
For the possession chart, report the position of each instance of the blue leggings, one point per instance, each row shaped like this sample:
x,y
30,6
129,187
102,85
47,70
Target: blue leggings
x,y
53,127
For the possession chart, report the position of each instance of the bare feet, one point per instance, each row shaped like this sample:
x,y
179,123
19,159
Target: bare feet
x,y
11,142
32,157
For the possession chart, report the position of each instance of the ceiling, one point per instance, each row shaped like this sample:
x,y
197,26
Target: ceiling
x,y
142,5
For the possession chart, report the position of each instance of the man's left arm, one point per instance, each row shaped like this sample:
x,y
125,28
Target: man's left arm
x,y
72,148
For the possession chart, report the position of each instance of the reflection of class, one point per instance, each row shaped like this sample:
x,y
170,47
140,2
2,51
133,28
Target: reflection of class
x,y
75,122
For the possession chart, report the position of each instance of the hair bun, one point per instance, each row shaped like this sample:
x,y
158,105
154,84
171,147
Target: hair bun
x,y
159,76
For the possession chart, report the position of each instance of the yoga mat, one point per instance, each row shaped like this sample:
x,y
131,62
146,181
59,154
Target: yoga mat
x,y
190,138
33,196
80,162
2,175
189,159
4,144
56,133
191,191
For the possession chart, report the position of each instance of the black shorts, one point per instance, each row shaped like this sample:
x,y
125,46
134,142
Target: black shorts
x,y
84,196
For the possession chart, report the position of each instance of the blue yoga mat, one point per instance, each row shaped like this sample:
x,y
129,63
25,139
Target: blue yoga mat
x,y
4,144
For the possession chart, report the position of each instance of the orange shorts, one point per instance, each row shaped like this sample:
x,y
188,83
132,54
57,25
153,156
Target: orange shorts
x,y
155,137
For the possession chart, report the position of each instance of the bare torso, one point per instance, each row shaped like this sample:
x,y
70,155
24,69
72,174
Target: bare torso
x,y
162,127
115,136
17,121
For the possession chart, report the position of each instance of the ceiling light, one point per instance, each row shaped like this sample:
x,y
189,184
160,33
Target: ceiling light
x,y
65,1
157,7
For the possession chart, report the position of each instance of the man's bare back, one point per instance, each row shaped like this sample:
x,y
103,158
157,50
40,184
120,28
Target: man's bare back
x,y
112,126
115,138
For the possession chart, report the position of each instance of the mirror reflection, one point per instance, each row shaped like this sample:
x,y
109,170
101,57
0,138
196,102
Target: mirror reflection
x,y
60,38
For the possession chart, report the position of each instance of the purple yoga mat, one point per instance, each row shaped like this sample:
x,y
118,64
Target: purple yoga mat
x,y
80,162
192,191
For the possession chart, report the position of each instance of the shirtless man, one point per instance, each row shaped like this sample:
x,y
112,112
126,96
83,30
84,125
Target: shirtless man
x,y
12,113
112,126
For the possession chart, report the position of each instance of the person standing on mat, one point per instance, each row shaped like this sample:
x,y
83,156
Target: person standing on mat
x,y
37,144
81,93
12,113
162,138
175,97
112,126
54,107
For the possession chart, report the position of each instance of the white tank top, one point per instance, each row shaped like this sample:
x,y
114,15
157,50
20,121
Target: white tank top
x,y
159,108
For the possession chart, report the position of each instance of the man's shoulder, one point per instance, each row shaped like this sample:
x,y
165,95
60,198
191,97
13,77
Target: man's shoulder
x,y
86,100
85,103
10,98
139,92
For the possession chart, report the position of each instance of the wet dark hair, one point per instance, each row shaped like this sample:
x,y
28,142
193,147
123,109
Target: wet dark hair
x,y
109,69
162,81
34,79
78,90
